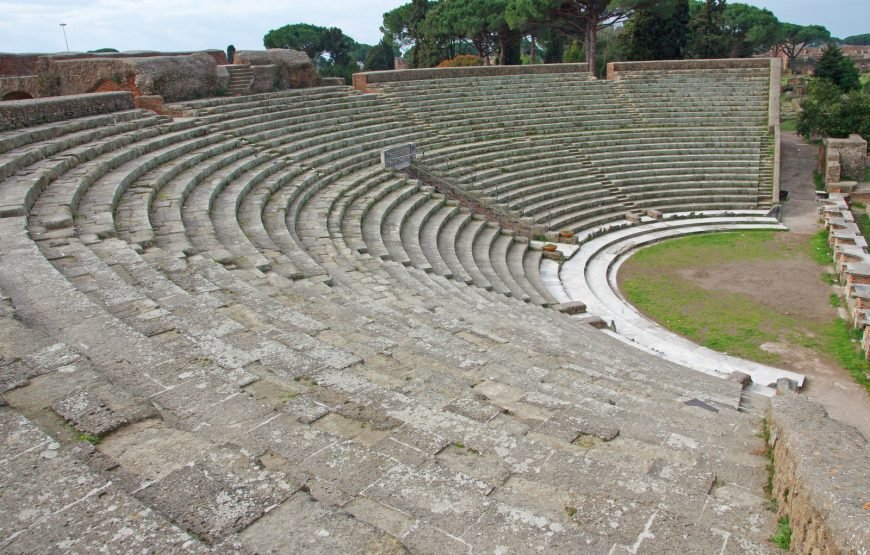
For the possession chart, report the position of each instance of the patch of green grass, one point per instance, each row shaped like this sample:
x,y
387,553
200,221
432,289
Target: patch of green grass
x,y
90,438
735,323
719,320
818,180
789,124
570,511
782,538
819,249
835,300
767,453
862,219
866,174
843,343
709,248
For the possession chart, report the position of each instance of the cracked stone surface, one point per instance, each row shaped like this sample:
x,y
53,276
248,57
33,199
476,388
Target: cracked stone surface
x,y
204,311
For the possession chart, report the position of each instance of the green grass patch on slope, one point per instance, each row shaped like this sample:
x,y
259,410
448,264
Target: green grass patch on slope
x,y
729,322
819,249
719,320
818,181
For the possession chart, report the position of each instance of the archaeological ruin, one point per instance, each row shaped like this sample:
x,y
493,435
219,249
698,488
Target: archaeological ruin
x,y
240,313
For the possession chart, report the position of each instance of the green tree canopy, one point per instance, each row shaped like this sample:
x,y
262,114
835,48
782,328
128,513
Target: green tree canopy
x,y
658,32
833,66
576,19
751,30
858,40
707,35
481,22
299,36
325,46
829,112
381,56
793,39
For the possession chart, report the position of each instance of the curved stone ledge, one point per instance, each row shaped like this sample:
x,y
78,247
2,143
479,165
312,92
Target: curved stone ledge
x,y
590,276
820,477
27,113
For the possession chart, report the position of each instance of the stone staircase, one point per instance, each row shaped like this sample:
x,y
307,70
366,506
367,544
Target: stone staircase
x,y
241,78
765,175
236,331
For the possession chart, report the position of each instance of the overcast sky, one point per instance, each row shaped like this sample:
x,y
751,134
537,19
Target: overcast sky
x,y
33,25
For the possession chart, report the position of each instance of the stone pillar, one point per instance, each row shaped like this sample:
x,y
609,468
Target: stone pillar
x,y
844,159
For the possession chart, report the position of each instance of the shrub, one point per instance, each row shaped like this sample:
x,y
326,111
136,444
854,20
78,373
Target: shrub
x,y
463,60
782,539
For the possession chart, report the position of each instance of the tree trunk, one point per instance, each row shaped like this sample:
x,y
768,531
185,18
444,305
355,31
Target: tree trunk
x,y
532,50
502,45
591,39
482,50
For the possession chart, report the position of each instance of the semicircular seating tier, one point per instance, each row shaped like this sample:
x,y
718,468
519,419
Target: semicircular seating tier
x,y
275,341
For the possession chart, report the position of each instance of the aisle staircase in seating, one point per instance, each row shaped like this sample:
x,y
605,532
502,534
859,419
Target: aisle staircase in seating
x,y
241,77
631,211
765,174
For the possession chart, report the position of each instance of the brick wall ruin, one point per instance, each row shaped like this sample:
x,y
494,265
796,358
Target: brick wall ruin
x,y
843,159
26,113
174,76
818,477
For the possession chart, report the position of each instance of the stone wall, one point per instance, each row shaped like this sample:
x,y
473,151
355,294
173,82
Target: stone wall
x,y
172,77
25,113
31,64
29,84
820,472
614,68
843,159
291,69
18,64
264,79
364,81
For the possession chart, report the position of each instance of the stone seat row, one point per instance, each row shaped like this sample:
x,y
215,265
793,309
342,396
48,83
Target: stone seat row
x,y
384,396
190,108
567,95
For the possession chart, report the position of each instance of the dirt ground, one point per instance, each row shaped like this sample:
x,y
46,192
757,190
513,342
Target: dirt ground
x,y
827,382
793,286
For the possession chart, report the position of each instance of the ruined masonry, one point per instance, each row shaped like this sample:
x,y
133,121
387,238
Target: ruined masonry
x,y
235,331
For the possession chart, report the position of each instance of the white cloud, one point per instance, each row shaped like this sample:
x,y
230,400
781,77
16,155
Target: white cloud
x,y
32,25
175,24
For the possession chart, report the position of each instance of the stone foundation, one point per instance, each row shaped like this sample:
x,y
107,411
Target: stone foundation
x,y
26,113
819,476
278,69
843,159
174,76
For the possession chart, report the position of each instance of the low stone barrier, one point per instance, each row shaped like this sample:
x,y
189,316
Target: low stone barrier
x,y
819,476
16,114
365,81
614,68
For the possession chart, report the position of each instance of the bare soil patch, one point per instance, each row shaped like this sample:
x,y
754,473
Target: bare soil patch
x,y
790,286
